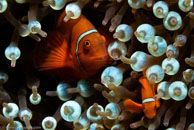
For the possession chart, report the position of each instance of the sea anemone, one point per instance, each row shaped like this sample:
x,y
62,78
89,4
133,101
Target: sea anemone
x,y
150,39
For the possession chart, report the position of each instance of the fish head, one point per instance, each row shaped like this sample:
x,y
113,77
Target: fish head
x,y
91,52
149,109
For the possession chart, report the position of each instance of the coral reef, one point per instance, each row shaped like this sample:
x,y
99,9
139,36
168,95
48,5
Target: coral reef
x,y
143,80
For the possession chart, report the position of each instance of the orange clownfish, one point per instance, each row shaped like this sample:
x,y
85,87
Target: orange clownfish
x,y
75,50
149,104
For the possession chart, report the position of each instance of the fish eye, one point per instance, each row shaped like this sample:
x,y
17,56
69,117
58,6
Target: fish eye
x,y
87,44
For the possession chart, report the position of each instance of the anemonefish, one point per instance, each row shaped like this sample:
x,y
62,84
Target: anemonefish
x,y
75,50
149,103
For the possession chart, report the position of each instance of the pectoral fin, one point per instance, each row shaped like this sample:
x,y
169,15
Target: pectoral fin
x,y
51,53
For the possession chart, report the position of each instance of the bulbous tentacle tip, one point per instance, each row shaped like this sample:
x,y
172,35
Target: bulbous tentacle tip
x,y
68,16
96,4
66,19
149,3
44,34
137,34
119,1
191,15
46,3
121,118
95,85
151,127
165,124
102,81
114,35
170,55
190,61
104,22
188,106
13,62
132,125
156,97
95,104
112,28
175,45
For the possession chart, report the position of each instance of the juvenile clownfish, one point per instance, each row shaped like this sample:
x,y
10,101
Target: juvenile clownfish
x,y
149,104
75,50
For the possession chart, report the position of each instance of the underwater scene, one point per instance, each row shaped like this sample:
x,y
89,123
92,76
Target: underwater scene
x,y
96,64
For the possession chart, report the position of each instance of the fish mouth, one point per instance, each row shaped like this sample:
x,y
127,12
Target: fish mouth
x,y
99,62
102,57
105,58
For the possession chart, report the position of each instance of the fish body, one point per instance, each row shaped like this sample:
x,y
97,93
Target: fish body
x,y
75,50
149,104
